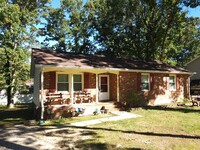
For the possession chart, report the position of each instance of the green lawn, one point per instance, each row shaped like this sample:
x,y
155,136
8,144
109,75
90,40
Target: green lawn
x,y
158,128
67,121
15,115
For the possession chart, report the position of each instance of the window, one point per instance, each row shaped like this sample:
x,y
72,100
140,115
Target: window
x,y
145,82
172,82
77,82
63,82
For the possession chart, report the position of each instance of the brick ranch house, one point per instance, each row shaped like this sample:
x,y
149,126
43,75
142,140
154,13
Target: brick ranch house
x,y
112,79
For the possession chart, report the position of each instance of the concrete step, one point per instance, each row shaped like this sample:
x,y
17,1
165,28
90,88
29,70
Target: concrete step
x,y
91,107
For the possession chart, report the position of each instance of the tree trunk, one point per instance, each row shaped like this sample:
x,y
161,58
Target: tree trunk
x,y
10,102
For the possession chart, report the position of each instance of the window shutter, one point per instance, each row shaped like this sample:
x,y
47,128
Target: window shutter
x,y
151,81
178,82
52,84
139,81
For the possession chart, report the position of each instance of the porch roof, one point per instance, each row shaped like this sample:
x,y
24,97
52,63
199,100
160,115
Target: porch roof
x,y
53,58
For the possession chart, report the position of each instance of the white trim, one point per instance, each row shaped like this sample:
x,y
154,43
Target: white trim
x,y
97,88
72,88
42,95
82,79
170,89
146,74
108,84
109,70
57,73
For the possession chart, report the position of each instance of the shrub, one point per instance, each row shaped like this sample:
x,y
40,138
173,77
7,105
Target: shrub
x,y
134,99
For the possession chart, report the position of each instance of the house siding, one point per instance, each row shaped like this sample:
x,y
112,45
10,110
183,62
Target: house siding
x,y
89,80
113,87
194,67
128,84
159,93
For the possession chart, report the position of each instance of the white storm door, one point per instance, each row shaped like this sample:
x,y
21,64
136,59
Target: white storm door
x,y
104,93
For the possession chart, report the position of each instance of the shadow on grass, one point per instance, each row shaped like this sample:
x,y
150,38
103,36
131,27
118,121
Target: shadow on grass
x,y
188,109
11,145
17,115
102,146
135,132
83,141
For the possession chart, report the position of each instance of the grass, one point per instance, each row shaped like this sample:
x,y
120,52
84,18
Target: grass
x,y
67,121
22,113
158,128
15,115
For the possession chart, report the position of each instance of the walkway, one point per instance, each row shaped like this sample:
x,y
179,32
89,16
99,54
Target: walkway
x,y
119,116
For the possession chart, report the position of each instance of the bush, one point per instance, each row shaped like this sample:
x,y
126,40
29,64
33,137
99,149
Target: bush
x,y
135,100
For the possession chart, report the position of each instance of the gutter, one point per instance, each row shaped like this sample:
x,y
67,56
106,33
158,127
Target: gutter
x,y
114,69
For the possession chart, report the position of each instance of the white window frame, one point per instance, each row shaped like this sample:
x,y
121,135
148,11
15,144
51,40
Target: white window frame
x,y
82,78
145,74
170,87
66,82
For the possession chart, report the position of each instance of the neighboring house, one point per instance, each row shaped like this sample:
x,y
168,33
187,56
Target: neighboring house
x,y
194,66
107,78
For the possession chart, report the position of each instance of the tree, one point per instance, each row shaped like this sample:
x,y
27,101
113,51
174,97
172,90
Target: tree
x,y
68,28
191,3
55,29
81,29
144,29
190,40
17,19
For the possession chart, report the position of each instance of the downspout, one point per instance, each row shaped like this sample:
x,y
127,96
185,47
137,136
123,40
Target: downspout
x,y
97,89
72,89
118,87
42,98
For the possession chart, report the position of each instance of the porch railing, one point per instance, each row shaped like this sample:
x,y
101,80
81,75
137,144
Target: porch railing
x,y
60,98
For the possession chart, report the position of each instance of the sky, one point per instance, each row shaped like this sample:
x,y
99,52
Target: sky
x,y
195,12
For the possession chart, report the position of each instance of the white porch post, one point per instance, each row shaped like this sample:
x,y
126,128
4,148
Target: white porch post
x,y
117,87
97,89
72,89
42,95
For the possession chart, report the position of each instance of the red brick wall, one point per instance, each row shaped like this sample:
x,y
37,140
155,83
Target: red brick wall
x,y
158,86
130,82
113,87
127,83
183,85
89,80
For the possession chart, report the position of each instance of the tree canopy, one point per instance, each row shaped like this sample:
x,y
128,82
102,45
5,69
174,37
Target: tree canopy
x,y
17,32
144,29
149,30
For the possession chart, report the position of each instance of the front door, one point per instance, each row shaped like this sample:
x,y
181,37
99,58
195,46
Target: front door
x,y
104,87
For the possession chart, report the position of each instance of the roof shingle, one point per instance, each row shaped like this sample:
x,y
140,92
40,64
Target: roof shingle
x,y
54,58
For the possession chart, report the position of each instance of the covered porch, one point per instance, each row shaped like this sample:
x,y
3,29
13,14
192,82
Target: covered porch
x,y
76,85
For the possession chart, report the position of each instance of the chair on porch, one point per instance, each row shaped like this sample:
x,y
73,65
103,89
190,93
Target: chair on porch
x,y
82,97
56,99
